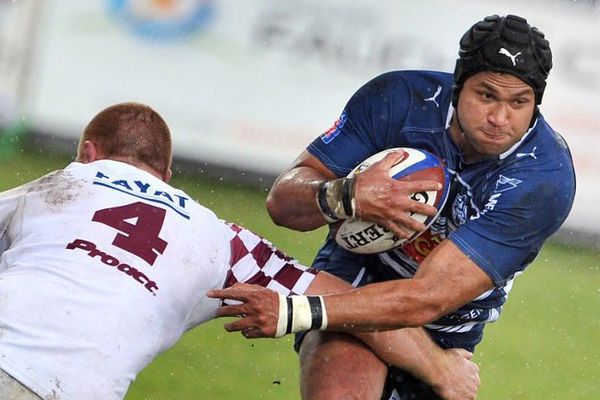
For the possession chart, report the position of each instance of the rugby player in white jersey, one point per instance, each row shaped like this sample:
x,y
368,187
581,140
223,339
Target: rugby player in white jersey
x,y
103,265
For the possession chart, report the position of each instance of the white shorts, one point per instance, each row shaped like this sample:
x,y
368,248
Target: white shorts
x,y
11,389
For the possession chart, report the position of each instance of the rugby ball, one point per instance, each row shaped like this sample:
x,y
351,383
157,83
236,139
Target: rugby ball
x,y
366,237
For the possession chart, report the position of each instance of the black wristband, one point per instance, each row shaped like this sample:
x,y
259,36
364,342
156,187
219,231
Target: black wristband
x,y
322,202
347,195
316,312
290,315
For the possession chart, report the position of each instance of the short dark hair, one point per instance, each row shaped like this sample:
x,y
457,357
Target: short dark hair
x,y
504,44
132,131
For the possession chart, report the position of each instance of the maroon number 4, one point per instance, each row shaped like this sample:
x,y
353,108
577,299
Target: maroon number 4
x,y
139,237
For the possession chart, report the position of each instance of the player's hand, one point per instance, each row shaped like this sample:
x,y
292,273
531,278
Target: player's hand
x,y
258,309
381,199
460,379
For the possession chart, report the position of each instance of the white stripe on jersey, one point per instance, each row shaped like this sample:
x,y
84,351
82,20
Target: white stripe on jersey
x,y
359,277
400,269
453,329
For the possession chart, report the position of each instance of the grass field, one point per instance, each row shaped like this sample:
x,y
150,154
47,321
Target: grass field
x,y
545,346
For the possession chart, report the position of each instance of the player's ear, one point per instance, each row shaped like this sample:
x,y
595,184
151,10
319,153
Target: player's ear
x,y
88,152
168,175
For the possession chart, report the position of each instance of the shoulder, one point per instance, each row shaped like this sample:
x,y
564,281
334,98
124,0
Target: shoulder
x,y
409,80
546,135
408,93
543,167
543,149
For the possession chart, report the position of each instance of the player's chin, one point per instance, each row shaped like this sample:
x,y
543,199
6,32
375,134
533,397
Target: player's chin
x,y
494,145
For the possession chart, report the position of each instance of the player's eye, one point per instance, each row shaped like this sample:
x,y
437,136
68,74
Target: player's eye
x,y
487,96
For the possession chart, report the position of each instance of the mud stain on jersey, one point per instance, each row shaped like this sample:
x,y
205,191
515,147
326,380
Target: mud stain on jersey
x,y
59,188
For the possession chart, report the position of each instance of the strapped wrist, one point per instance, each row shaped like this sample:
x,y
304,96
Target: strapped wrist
x,y
300,313
335,199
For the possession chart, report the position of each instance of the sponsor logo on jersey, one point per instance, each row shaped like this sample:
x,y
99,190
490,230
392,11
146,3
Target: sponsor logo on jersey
x,y
144,190
459,209
419,248
492,201
505,183
111,261
335,129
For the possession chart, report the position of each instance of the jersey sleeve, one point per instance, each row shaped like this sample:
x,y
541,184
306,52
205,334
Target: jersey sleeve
x,y
365,125
522,211
254,260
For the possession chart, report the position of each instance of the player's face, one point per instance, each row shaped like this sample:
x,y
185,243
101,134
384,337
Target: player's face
x,y
495,111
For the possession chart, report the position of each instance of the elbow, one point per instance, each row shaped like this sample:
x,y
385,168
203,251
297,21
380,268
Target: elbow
x,y
275,212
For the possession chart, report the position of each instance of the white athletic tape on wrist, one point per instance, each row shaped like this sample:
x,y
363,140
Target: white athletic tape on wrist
x,y
282,320
300,313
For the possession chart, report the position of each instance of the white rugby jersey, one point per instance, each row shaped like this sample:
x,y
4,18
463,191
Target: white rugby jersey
x,y
103,266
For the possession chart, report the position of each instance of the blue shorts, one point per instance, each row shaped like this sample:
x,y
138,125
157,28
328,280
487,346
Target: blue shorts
x,y
360,270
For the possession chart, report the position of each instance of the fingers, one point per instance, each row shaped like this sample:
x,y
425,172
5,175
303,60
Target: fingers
x,y
416,207
422,186
392,203
400,230
390,159
228,294
247,286
247,328
230,311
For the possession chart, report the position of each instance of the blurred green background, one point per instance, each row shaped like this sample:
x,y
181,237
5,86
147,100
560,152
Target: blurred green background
x,y
546,345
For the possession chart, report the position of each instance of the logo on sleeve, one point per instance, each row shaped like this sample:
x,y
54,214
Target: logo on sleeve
x,y
335,130
434,97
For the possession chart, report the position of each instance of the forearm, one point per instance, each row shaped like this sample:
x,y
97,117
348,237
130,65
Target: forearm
x,y
446,280
410,349
383,306
292,199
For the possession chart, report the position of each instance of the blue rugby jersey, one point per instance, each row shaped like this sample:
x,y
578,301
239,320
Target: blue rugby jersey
x,y
499,212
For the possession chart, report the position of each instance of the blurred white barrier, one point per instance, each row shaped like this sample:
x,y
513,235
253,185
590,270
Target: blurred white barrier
x,y
249,83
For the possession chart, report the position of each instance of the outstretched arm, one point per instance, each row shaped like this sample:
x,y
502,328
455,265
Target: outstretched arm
x,y
450,372
446,280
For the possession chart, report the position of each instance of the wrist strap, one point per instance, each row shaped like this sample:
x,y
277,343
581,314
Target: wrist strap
x,y
300,313
327,212
335,199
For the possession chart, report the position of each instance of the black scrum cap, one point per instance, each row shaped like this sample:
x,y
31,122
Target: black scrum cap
x,y
504,44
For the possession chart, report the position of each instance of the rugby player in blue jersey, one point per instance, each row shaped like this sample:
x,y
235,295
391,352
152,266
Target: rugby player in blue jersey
x,y
513,185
